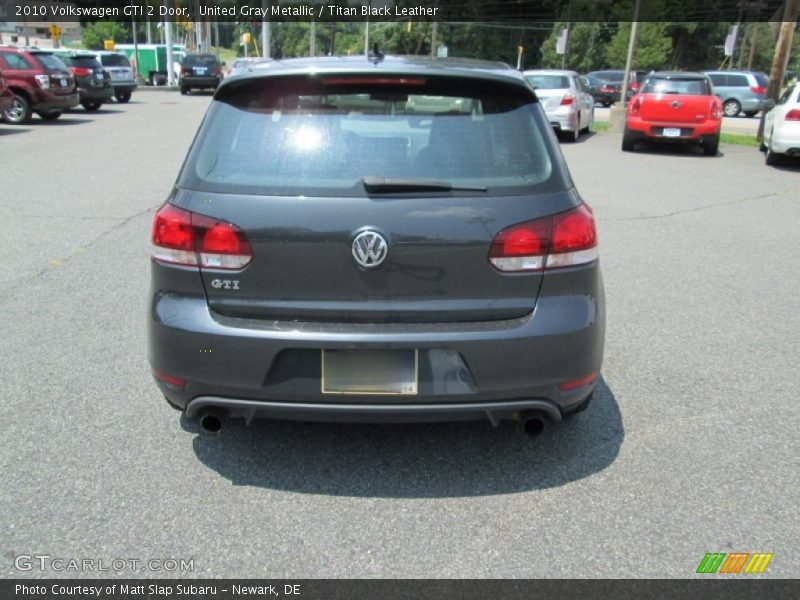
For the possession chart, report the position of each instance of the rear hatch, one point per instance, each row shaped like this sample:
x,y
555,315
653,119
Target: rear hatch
x,y
436,166
88,72
118,67
200,65
684,100
62,82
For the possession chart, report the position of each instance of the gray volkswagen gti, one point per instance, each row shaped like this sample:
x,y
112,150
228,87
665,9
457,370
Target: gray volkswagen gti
x,y
376,239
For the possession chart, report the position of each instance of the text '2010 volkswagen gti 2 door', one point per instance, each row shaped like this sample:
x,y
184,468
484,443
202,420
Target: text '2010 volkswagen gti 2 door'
x,y
361,240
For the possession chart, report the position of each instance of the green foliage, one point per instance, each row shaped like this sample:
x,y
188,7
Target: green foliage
x,y
584,47
653,46
95,33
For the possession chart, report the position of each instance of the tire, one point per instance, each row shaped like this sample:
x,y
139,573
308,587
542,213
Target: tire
x,y
570,136
91,106
580,408
50,116
628,141
20,111
750,113
711,145
184,90
153,79
123,97
731,108
589,125
773,159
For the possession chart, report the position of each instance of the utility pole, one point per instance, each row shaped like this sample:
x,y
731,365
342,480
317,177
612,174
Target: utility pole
x,y
629,60
366,31
266,42
312,41
752,54
434,27
781,56
168,39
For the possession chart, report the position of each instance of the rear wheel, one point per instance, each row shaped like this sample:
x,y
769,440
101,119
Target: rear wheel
x,y
123,97
711,145
731,108
19,111
571,136
590,123
184,90
628,141
91,106
50,116
153,79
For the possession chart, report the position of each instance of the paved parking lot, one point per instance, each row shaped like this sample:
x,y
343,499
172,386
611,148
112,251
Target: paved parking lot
x,y
690,447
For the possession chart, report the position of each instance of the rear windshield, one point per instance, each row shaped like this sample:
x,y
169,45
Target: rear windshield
x,y
548,82
50,62
200,61
89,62
762,79
115,60
662,85
321,136
613,76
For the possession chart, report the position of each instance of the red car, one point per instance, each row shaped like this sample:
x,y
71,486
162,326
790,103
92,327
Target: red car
x,y
674,107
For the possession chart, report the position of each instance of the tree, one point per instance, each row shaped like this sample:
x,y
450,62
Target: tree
x,y
653,46
584,44
95,33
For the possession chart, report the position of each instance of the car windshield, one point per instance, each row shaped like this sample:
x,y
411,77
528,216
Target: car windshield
x,y
115,60
200,61
50,62
323,136
672,85
548,82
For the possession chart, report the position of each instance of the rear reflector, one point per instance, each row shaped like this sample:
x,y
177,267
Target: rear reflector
x,y
793,115
170,380
567,239
573,384
185,238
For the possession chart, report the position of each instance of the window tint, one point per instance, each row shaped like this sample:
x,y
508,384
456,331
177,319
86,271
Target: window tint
x,y
50,62
738,81
16,61
718,79
318,137
661,85
785,96
200,61
761,79
548,82
114,60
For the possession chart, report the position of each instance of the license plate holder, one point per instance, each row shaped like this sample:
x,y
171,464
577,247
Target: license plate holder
x,y
370,372
672,132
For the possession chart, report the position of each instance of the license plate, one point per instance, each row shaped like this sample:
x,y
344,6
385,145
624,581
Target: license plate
x,y
120,74
199,70
382,372
672,132
63,83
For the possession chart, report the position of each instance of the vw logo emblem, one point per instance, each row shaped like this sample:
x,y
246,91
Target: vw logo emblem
x,y
370,249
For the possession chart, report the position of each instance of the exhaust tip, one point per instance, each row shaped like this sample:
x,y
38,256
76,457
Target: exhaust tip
x,y
212,420
532,423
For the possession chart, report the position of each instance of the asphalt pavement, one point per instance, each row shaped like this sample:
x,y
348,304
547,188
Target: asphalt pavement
x,y
691,445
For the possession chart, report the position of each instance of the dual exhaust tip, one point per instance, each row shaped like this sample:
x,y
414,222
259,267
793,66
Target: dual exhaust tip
x,y
212,420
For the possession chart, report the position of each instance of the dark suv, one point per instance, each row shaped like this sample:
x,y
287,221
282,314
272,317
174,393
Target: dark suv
x,y
93,82
396,239
199,71
613,79
40,82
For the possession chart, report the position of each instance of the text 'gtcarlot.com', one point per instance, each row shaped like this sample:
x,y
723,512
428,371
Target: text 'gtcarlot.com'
x,y
45,562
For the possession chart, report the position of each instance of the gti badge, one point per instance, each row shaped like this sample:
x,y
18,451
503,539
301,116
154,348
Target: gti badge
x,y
370,249
228,284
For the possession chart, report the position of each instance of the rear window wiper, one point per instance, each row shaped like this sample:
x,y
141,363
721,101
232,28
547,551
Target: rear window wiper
x,y
380,185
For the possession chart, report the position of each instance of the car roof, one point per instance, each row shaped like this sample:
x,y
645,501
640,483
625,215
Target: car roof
x,y
75,53
677,75
421,65
550,72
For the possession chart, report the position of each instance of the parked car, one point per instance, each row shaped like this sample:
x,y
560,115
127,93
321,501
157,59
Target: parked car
x,y
326,256
6,97
92,81
674,107
200,71
740,91
601,91
40,83
565,99
782,127
121,73
242,65
614,78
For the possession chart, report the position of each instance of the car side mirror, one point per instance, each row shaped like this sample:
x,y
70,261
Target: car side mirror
x,y
769,104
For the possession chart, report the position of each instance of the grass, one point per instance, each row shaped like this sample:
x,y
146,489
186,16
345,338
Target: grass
x,y
736,139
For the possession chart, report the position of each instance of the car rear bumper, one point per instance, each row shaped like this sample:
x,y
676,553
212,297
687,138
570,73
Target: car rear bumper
x,y
200,81
786,140
52,103
123,86
563,120
273,368
96,94
656,130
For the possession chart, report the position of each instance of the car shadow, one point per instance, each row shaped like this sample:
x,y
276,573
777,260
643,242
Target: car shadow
x,y
6,129
413,460
678,149
585,137
65,119
789,164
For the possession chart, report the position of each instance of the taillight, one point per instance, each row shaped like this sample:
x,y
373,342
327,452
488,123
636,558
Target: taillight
x,y
758,89
793,115
185,238
80,71
43,81
716,110
636,105
567,99
606,89
563,240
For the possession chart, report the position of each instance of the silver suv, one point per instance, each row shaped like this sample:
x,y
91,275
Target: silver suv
x,y
121,72
740,91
